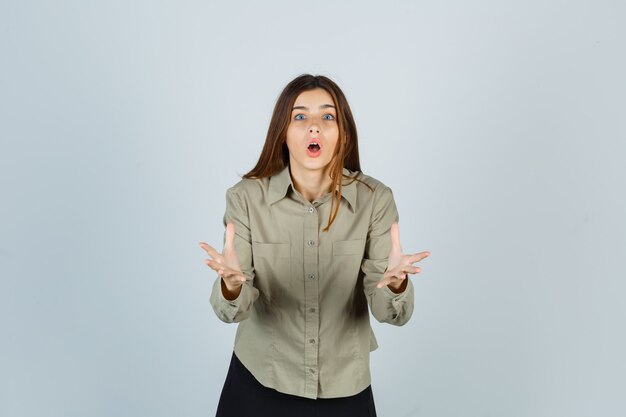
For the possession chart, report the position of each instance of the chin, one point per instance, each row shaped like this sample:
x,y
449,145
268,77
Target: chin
x,y
313,164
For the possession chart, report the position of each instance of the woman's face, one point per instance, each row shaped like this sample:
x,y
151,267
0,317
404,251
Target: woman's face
x,y
313,119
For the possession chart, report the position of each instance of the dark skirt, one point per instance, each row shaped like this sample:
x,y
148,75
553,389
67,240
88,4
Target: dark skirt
x,y
244,396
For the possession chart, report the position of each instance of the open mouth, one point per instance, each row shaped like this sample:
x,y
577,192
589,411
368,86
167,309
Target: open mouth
x,y
313,147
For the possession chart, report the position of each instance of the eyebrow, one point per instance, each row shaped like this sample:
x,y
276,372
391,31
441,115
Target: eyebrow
x,y
323,106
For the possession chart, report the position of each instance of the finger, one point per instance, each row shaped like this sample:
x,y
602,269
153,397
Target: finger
x,y
389,276
411,269
400,275
400,272
395,236
416,257
214,265
225,271
211,251
386,281
383,283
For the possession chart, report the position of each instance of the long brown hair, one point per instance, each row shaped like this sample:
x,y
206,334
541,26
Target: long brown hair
x,y
275,154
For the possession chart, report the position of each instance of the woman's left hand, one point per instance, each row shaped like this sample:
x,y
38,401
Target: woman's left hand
x,y
399,264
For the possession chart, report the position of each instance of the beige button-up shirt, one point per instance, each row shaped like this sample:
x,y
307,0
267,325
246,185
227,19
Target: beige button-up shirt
x,y
304,326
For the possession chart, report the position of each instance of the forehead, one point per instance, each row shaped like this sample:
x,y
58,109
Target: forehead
x,y
313,98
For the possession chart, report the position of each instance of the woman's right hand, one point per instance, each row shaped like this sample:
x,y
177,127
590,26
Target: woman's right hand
x,y
226,264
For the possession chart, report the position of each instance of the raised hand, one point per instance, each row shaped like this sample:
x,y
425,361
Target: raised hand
x,y
399,264
226,264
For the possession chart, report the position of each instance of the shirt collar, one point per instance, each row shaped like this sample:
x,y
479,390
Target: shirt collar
x,y
279,185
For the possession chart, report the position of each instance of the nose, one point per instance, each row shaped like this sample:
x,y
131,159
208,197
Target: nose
x,y
314,130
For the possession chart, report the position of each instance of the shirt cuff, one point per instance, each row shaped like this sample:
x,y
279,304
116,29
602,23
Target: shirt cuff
x,y
228,309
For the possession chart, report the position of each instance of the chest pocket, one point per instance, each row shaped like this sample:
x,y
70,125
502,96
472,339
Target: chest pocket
x,y
347,257
272,266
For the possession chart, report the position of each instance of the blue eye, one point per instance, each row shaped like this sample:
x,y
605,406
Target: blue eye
x,y
299,114
331,116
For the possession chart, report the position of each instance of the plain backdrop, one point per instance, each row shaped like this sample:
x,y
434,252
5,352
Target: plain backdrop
x,y
499,125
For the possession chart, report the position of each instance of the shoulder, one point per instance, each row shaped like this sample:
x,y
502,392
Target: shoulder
x,y
379,200
239,195
248,187
376,186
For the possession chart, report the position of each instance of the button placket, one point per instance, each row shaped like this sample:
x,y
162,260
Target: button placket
x,y
311,298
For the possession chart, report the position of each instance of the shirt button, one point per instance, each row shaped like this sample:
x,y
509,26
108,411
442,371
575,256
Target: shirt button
x,y
311,242
312,370
311,276
312,310
311,340
311,209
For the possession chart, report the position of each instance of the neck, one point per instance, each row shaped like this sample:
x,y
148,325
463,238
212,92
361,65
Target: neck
x,y
310,183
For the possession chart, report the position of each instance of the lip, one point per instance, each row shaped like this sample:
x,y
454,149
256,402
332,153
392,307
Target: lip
x,y
316,140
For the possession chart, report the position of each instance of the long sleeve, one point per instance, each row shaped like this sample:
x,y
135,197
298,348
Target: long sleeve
x,y
232,311
386,306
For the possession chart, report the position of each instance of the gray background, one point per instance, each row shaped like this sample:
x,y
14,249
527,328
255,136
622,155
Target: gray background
x,y
499,126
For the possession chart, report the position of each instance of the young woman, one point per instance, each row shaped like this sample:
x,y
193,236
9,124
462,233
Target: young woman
x,y
305,253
